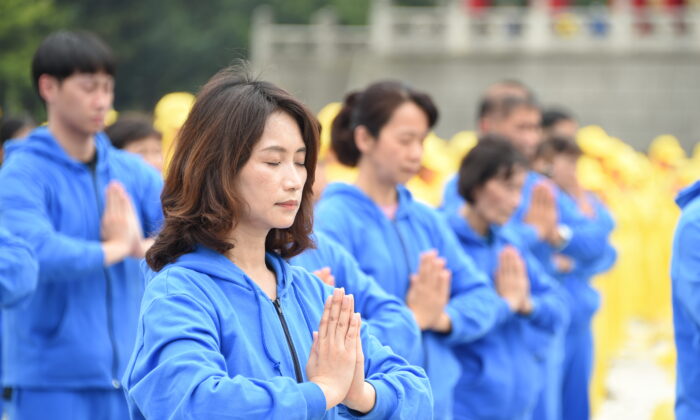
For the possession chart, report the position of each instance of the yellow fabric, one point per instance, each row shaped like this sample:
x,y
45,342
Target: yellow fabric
x,y
169,115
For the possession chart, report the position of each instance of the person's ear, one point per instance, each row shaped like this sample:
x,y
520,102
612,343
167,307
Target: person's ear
x,y
364,140
485,124
48,87
477,193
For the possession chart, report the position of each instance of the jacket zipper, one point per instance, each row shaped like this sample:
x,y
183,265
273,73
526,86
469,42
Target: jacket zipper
x,y
290,343
403,246
408,266
108,296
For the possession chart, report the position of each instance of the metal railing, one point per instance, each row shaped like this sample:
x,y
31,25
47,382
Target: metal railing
x,y
450,29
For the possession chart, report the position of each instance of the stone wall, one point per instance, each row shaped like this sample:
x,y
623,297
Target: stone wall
x,y
648,88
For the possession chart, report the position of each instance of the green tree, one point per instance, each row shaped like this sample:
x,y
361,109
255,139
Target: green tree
x,y
23,24
170,45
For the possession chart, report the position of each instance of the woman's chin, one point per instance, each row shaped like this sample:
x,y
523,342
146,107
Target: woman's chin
x,y
283,224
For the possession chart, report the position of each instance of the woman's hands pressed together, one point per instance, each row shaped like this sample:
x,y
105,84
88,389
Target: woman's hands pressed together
x,y
336,362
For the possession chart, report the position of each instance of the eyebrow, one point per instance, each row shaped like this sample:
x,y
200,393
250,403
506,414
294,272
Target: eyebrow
x,y
281,149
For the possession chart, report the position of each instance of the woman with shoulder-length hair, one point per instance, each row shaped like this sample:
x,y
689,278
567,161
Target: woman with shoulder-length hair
x,y
226,325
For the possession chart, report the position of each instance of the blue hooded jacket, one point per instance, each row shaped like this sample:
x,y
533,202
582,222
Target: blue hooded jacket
x,y
389,251
77,329
18,269
211,344
594,255
387,318
501,371
586,241
685,277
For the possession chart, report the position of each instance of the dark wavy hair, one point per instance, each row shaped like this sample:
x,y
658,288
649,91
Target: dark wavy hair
x,y
200,201
373,108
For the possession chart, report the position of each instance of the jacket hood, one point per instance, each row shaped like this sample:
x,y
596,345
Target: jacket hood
x,y
465,233
207,261
688,194
41,142
352,194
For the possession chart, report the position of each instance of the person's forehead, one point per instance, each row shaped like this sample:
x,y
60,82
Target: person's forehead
x,y
525,111
280,142
100,75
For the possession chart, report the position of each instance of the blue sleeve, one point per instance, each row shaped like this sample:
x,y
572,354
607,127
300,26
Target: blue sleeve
x,y
180,351
550,305
474,307
685,265
329,219
589,236
388,319
24,213
403,390
527,234
18,269
604,262
149,206
608,257
451,198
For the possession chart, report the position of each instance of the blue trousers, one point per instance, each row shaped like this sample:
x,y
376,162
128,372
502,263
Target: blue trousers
x,y
578,367
37,404
549,404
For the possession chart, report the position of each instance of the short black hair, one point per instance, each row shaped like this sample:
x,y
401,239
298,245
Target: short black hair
x,y
130,128
500,90
557,146
9,126
553,115
64,53
505,105
493,156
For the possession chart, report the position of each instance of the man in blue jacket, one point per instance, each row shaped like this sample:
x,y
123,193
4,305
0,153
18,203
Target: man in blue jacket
x,y
685,266
18,269
85,208
18,272
511,111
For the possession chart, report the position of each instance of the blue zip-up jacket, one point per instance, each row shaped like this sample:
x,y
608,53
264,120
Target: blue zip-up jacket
x,y
501,371
388,319
77,330
18,269
212,345
389,251
452,201
595,255
587,239
685,280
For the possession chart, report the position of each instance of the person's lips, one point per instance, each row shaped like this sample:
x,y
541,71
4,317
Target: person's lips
x,y
289,204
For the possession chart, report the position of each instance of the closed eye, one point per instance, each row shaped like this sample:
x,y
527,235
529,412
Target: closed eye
x,y
273,163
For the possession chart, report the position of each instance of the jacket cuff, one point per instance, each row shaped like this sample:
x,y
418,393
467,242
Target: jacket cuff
x,y
315,400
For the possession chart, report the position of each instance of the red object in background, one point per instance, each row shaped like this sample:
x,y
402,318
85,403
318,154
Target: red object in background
x,y
558,5
639,4
674,4
476,6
